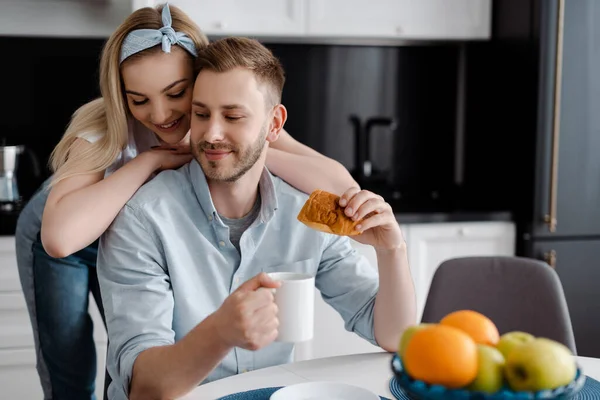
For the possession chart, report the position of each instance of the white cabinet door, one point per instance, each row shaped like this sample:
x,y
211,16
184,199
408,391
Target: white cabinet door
x,y
431,244
402,19
62,18
331,338
9,273
15,326
244,17
18,376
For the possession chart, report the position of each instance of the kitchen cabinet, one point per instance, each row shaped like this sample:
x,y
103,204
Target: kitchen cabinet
x,y
62,18
402,19
330,336
578,269
353,21
429,244
18,376
340,19
243,17
568,167
565,225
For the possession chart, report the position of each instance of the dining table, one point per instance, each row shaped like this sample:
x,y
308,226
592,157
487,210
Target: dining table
x,y
371,371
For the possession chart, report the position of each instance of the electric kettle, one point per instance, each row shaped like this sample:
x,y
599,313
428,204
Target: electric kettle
x,y
9,161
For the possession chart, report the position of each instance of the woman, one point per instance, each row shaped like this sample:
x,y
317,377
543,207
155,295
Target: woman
x,y
112,146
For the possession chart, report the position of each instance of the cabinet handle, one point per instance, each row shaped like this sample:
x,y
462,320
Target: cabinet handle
x,y
550,218
550,258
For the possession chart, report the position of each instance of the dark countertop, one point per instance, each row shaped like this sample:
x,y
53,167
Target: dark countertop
x,y
8,222
413,204
439,217
415,210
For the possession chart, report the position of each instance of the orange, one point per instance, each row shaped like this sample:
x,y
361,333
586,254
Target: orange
x,y
477,325
441,355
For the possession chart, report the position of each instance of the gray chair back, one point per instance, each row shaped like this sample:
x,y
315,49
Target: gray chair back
x,y
518,294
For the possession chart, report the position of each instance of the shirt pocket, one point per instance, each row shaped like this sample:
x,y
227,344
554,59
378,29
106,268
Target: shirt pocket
x,y
308,267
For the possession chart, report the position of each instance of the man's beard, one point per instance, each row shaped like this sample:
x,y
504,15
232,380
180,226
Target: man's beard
x,y
246,158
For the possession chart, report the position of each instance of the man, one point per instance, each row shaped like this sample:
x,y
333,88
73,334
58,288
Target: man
x,y
182,267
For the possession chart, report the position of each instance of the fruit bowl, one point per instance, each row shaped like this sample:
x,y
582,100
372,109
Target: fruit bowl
x,y
419,390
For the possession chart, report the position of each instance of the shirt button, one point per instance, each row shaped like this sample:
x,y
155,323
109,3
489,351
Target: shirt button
x,y
244,371
221,243
210,217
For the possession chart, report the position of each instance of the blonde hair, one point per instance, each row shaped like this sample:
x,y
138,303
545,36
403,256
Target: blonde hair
x,y
226,54
108,114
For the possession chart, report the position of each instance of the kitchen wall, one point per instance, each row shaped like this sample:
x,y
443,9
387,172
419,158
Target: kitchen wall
x,y
416,86
44,80
48,78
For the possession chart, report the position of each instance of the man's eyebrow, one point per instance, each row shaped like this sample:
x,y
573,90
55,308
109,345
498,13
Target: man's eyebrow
x,y
225,107
233,106
170,86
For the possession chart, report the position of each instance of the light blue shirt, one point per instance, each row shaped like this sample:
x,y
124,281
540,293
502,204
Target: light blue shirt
x,y
166,263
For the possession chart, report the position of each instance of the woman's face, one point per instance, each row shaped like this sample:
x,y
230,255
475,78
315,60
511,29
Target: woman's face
x,y
159,89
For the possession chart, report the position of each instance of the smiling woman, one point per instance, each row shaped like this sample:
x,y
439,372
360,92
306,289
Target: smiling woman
x,y
158,87
104,157
112,146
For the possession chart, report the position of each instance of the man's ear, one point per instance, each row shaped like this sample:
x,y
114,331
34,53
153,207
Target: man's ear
x,y
278,120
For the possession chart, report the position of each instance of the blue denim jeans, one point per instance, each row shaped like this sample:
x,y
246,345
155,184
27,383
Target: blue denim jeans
x,y
57,296
65,328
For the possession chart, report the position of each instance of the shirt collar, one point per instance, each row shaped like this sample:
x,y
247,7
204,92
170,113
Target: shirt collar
x,y
266,184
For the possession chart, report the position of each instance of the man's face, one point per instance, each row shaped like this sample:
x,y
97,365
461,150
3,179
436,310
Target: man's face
x,y
230,124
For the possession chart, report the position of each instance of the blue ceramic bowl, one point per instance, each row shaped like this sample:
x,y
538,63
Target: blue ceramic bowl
x,y
419,390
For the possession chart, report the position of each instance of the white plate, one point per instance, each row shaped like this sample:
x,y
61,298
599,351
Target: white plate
x,y
323,391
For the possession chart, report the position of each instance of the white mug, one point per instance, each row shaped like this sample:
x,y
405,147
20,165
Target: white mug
x,y
296,303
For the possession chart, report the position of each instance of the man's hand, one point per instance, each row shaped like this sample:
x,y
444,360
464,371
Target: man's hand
x,y
248,317
380,229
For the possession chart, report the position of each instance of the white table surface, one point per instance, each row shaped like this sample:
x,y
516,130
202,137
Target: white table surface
x,y
371,371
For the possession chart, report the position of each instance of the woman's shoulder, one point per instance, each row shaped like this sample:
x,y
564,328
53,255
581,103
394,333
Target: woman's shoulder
x,y
91,136
91,111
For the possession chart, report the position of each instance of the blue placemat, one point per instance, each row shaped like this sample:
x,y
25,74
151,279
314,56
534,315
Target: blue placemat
x,y
590,391
258,394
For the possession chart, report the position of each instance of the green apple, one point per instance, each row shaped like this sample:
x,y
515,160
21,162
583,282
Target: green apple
x,y
490,370
510,340
540,364
407,335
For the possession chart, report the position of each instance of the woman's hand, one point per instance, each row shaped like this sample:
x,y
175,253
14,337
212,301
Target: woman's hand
x,y
171,156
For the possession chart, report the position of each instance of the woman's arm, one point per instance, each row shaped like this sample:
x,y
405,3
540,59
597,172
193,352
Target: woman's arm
x,y
305,168
80,208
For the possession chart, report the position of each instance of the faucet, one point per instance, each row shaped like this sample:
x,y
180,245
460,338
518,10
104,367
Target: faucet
x,y
362,149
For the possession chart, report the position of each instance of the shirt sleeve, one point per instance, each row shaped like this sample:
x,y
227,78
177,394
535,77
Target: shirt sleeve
x,y
136,294
91,137
349,284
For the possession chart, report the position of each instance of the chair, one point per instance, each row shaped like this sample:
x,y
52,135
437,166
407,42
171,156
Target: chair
x,y
516,293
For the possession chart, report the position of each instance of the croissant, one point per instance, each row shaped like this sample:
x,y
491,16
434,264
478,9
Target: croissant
x,y
323,213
